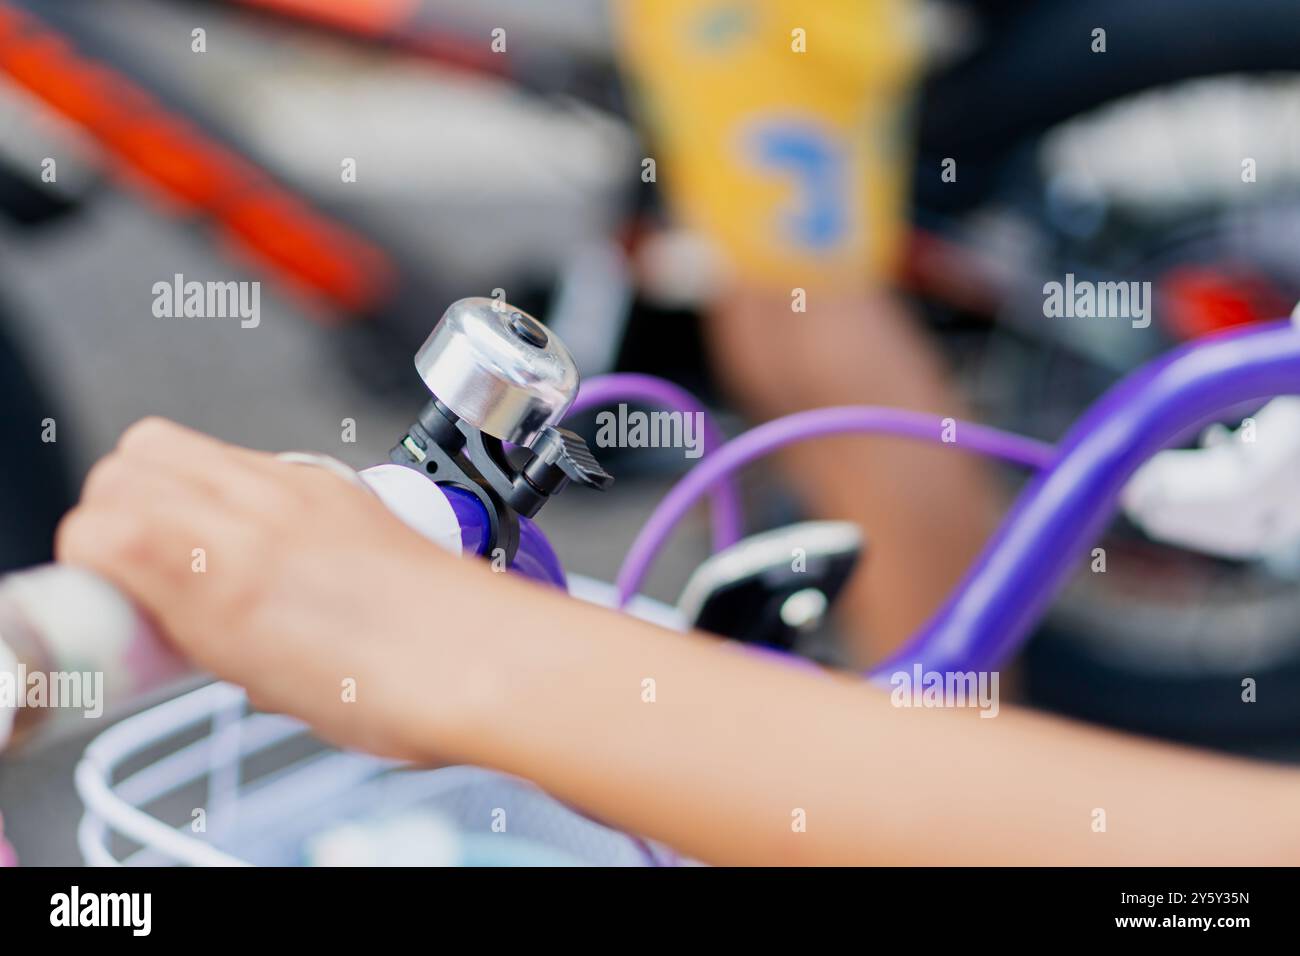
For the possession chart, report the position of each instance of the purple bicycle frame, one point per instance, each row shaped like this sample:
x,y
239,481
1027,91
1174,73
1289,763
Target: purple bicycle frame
x,y
1065,508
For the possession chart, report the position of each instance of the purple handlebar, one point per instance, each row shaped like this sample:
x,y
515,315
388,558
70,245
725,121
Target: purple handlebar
x,y
1065,508
534,558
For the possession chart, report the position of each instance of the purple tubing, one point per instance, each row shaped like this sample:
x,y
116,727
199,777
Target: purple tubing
x,y
1065,509
727,516
802,426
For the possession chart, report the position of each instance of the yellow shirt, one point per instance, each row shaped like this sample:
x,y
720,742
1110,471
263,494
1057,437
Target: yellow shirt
x,y
774,127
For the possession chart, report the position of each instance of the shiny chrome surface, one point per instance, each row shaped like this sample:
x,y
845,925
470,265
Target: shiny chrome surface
x,y
499,369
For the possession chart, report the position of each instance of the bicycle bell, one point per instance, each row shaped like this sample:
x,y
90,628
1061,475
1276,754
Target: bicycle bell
x,y
497,375
499,369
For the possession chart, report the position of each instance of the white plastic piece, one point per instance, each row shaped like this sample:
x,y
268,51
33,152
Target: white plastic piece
x,y
418,502
758,552
88,627
1236,496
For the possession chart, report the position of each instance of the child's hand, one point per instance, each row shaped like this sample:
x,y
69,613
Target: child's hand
x,y
281,578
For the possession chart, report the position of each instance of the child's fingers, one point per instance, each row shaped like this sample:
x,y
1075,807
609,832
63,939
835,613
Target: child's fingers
x,y
153,435
146,551
241,479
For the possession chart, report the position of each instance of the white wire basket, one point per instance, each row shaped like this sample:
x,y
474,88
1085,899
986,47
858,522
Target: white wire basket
x,y
200,780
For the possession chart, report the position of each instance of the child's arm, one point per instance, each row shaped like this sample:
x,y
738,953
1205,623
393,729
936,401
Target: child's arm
x,y
309,584
735,745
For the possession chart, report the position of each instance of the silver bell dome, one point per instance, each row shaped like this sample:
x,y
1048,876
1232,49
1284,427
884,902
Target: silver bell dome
x,y
499,369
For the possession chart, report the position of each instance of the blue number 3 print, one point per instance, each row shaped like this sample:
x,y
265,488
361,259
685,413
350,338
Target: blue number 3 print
x,y
818,219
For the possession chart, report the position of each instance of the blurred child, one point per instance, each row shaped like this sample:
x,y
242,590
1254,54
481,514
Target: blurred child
x,y
778,130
